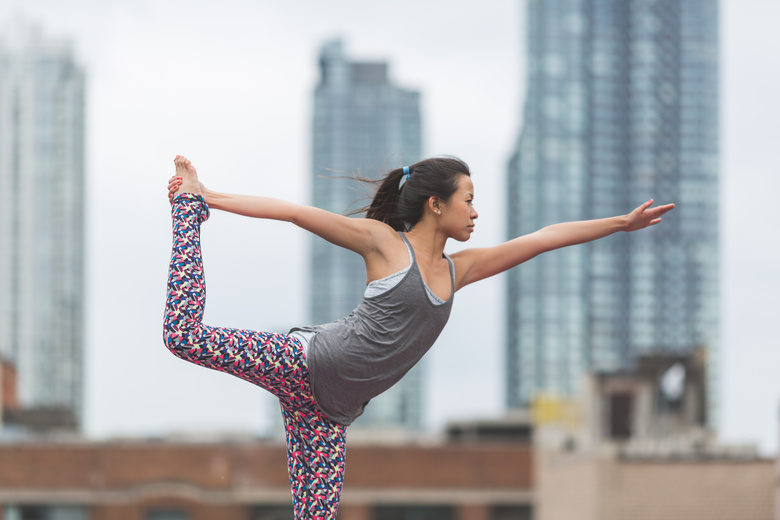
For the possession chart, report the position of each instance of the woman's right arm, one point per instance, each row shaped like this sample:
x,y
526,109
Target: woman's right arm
x,y
360,235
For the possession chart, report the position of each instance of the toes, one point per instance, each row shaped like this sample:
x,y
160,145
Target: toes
x,y
184,166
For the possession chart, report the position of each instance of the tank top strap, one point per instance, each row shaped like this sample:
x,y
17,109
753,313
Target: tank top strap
x,y
408,246
452,270
445,255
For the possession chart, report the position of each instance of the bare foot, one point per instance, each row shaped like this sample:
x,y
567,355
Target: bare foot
x,y
189,177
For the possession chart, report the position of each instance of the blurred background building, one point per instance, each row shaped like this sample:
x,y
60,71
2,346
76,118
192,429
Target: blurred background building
x,y
41,228
621,107
247,480
635,444
581,458
363,124
777,486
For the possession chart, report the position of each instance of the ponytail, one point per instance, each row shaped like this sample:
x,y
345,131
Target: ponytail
x,y
386,199
400,205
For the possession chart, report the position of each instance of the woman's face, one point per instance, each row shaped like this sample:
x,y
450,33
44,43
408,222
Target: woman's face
x,y
458,214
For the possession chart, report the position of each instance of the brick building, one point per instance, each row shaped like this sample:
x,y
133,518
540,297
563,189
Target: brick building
x,y
248,481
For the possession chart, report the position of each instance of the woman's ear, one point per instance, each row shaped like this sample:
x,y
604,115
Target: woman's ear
x,y
434,204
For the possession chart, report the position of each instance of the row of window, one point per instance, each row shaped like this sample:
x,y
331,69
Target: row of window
x,y
395,512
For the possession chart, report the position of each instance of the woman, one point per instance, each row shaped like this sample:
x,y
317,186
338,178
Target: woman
x,y
325,375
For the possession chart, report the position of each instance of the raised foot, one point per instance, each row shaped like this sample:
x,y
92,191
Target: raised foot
x,y
189,177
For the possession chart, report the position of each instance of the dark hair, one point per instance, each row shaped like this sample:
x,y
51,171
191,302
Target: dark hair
x,y
402,208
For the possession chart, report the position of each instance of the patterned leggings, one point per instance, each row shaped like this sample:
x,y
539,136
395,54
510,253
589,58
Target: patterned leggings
x,y
276,362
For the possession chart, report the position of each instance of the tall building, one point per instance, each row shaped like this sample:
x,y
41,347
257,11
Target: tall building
x,y
622,106
42,219
363,124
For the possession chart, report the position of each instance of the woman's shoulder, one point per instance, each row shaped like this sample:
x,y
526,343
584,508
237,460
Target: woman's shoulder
x,y
384,235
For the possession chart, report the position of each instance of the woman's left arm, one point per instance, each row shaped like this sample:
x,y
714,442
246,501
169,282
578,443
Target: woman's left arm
x,y
480,263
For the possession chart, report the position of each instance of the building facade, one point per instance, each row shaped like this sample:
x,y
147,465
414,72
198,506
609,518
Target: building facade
x,y
362,125
634,444
604,487
42,219
622,107
240,480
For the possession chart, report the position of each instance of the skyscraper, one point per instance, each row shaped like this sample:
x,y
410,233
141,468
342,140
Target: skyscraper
x,y
42,219
363,124
622,106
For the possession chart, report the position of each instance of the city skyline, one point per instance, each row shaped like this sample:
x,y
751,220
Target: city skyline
x,y
363,123
241,114
42,230
622,107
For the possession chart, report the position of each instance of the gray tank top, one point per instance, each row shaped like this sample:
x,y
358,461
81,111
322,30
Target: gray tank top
x,y
356,358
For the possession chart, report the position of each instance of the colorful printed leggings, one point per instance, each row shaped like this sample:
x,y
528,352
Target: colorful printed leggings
x,y
276,362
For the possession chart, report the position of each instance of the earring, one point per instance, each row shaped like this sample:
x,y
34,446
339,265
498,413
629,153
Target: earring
x,y
438,212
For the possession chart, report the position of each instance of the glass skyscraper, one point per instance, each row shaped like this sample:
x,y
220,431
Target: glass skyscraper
x,y
42,219
363,124
622,106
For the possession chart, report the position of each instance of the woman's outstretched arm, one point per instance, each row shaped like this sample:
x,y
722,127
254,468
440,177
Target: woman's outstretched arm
x,y
480,263
356,234
360,235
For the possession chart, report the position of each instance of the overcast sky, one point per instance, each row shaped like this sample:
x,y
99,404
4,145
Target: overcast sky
x,y
230,86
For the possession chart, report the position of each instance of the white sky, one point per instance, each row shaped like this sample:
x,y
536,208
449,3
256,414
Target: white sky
x,y
229,85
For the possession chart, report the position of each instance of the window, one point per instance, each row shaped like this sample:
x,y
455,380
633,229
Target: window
x,y
48,512
284,512
512,513
167,514
620,412
417,512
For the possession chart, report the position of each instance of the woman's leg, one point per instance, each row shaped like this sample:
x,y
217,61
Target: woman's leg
x,y
315,458
276,362
272,361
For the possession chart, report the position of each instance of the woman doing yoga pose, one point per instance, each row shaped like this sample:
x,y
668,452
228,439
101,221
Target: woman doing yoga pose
x,y
325,375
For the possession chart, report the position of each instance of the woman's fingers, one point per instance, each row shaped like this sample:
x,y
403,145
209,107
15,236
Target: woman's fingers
x,y
656,213
173,186
661,210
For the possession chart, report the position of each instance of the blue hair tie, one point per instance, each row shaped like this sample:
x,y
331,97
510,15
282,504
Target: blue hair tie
x,y
404,177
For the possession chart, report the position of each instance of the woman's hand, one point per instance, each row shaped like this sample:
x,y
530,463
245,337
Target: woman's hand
x,y
173,186
645,216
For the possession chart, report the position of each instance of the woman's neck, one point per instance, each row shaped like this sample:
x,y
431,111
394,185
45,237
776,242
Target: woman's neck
x,y
427,241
